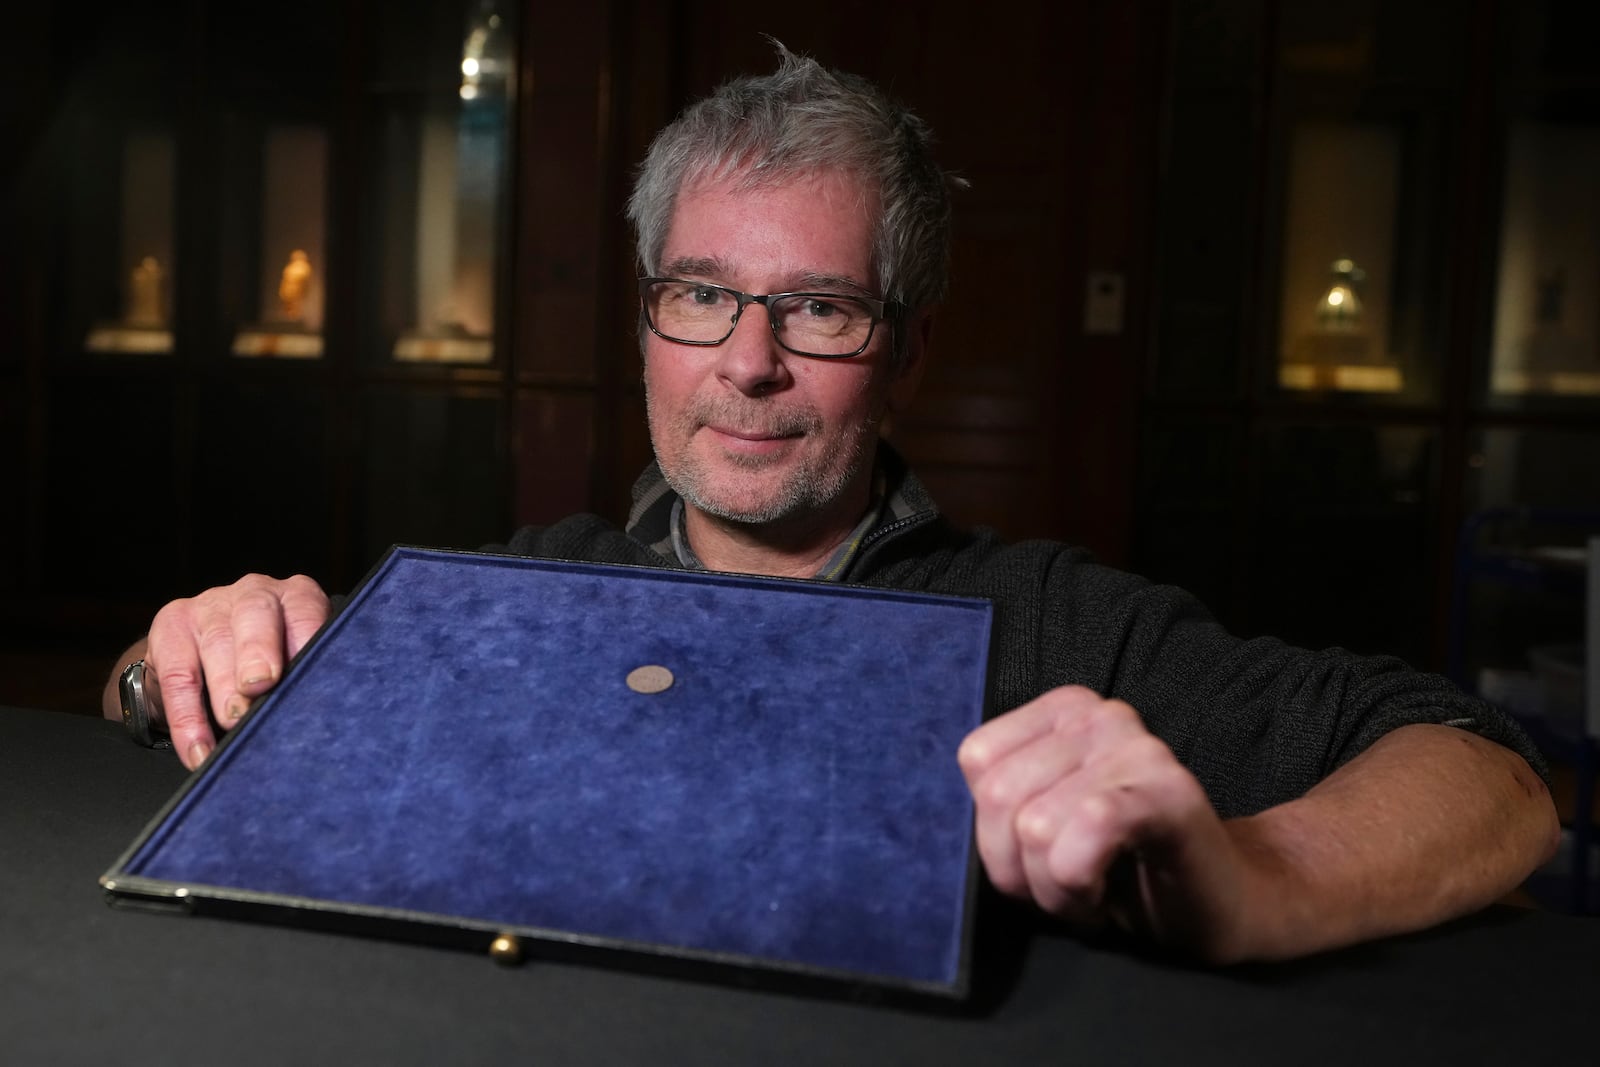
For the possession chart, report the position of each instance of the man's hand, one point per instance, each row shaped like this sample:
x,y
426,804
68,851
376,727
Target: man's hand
x,y
1083,810
229,644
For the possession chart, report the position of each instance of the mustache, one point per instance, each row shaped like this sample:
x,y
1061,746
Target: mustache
x,y
758,418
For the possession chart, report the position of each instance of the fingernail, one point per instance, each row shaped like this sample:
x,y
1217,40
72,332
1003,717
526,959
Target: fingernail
x,y
236,709
255,673
198,753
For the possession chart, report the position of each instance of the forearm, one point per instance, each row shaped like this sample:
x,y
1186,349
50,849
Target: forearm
x,y
111,696
1427,824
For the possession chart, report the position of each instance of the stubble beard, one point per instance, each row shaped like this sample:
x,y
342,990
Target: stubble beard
x,y
810,486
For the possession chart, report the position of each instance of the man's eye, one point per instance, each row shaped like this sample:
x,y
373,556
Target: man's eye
x,y
702,294
822,309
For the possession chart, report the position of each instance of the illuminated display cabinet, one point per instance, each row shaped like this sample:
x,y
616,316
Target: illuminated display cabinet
x,y
279,302
1378,310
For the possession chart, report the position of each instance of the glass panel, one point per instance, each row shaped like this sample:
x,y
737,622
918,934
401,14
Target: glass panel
x,y
288,299
1344,537
107,441
1338,279
292,49
1547,298
1185,532
1535,468
436,471
100,178
139,316
1520,619
1363,162
440,189
1541,297
287,456
1520,593
1208,218
442,205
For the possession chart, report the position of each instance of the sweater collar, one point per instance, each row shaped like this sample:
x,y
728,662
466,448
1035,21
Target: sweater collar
x,y
899,502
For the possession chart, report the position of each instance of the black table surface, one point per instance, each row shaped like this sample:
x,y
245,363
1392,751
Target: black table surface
x,y
83,982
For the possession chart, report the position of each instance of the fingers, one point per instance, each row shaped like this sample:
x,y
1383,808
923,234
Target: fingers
x,y
242,646
1066,848
215,652
305,609
179,679
1005,782
1064,787
999,737
1072,833
1014,759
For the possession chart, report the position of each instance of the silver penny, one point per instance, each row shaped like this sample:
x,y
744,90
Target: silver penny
x,y
651,678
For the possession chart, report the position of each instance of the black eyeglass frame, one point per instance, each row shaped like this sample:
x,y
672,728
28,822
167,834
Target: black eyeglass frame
x,y
882,311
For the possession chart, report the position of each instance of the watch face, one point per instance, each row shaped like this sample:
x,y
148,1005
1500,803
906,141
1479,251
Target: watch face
x,y
137,688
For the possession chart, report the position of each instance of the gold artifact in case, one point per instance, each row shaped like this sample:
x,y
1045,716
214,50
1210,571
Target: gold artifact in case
x,y
290,296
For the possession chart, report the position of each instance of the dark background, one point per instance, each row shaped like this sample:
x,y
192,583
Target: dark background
x,y
1145,139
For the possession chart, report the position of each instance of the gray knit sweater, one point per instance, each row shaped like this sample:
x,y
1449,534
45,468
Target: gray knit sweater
x,y
1257,721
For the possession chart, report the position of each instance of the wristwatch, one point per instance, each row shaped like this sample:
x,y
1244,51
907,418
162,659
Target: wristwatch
x,y
140,696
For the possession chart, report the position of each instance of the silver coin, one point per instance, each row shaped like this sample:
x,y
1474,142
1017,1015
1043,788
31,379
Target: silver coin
x,y
651,678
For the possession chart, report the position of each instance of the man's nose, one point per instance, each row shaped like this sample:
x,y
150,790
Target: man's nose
x,y
751,360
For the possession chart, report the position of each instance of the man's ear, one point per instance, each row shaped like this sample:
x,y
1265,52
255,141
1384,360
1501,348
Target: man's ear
x,y
918,329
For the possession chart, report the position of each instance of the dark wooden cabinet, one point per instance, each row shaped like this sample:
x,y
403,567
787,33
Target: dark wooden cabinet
x,y
1127,359
193,408
1308,468
181,441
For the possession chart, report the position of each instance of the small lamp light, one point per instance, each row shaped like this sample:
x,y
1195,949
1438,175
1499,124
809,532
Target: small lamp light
x,y
484,53
1340,306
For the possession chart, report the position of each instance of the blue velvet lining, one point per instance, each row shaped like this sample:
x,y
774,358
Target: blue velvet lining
x,y
460,741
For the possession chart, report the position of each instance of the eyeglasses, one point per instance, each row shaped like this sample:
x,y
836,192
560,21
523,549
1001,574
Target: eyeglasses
x,y
821,325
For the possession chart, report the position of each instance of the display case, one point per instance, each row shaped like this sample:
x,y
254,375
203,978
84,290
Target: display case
x,y
1525,617
122,238
1357,144
1542,300
114,176
245,169
1525,634
1295,430
438,183
1518,624
277,252
1339,281
133,315
1546,334
1379,264
1338,259
270,246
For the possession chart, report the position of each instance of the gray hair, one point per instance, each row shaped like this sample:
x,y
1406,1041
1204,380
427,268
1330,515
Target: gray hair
x,y
801,119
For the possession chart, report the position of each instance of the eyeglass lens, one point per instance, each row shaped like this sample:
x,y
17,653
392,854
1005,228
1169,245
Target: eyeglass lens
x,y
811,324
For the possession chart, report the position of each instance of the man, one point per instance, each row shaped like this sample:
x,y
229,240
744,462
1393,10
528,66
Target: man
x,y
1232,799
